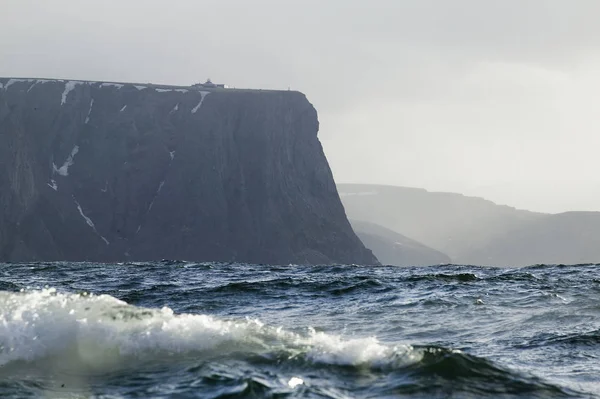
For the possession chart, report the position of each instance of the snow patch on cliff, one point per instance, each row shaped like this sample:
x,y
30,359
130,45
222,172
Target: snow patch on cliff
x,y
172,155
160,186
87,119
89,222
35,82
53,185
13,81
64,169
166,90
175,108
117,85
69,86
140,87
203,95
123,109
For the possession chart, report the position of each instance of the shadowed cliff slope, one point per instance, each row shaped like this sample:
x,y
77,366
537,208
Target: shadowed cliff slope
x,y
392,248
105,172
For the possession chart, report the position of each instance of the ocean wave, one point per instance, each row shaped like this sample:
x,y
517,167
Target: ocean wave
x,y
100,329
458,277
584,339
90,334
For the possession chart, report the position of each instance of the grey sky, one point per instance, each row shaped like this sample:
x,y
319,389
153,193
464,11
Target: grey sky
x,y
490,98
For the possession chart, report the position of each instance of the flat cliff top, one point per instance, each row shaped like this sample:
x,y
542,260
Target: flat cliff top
x,y
6,82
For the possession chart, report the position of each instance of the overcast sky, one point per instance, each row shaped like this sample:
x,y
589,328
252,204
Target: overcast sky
x,y
498,99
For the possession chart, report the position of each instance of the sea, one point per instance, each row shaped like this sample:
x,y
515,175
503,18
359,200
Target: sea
x,y
176,329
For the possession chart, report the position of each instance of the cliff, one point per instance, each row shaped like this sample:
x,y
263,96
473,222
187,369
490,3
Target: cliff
x,y
111,172
392,248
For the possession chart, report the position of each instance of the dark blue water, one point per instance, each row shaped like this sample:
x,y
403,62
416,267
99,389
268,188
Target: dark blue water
x,y
185,330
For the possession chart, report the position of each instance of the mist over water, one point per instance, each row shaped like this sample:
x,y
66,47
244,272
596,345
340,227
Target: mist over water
x,y
177,329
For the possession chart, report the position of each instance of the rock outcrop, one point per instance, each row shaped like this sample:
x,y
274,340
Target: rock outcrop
x,y
112,172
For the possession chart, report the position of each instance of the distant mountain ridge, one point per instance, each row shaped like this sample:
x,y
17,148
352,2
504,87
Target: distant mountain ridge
x,y
473,230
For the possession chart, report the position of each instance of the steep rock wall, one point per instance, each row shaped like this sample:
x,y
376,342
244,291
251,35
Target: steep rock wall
x,y
110,172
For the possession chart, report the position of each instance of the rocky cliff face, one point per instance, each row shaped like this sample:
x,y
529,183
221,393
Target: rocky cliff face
x,y
111,172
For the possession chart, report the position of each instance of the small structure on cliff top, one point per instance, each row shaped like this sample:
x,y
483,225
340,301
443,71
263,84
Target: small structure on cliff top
x,y
209,85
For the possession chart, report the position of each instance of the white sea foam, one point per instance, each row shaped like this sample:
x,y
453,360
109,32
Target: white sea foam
x,y
95,329
203,95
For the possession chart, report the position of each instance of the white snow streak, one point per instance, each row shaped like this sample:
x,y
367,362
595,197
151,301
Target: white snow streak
x,y
140,87
36,82
172,155
70,85
87,119
160,186
117,85
197,107
165,90
175,108
89,222
123,109
64,169
53,185
13,81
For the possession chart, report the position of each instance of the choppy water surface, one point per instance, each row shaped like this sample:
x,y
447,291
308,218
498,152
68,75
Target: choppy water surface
x,y
184,330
